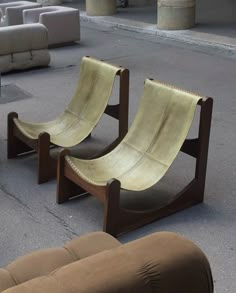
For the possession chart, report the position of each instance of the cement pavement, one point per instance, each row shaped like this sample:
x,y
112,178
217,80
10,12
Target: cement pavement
x,y
215,23
31,219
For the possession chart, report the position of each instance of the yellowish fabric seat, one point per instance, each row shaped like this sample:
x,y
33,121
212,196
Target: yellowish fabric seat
x,y
159,129
158,133
84,111
79,118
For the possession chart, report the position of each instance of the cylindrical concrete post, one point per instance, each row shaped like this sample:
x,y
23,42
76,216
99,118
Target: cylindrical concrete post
x,y
100,7
176,14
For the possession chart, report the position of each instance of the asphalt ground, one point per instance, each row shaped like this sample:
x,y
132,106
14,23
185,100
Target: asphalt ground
x,y
30,218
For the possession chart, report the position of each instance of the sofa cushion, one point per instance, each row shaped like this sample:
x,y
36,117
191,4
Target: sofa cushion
x,y
162,263
21,38
43,262
6,280
24,60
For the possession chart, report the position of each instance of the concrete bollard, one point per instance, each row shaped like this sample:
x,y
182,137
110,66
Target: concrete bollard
x,y
176,14
100,7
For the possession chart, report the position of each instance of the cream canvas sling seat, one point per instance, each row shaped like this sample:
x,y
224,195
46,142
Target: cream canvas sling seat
x,y
77,121
142,158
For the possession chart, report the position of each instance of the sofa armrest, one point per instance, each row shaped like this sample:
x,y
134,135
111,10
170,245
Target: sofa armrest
x,y
63,25
54,18
15,14
2,19
4,6
30,16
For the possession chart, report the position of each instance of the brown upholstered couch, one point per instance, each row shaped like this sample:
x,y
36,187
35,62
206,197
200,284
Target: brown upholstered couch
x,y
97,263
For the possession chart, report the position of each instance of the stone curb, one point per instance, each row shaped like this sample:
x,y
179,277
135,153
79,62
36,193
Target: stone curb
x,y
185,36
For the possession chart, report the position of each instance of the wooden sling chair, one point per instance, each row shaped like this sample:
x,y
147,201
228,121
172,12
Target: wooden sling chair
x,y
78,120
156,136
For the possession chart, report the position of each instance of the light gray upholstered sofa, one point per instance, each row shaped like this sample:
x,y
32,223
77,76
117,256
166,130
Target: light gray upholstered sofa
x,y
63,23
12,13
23,47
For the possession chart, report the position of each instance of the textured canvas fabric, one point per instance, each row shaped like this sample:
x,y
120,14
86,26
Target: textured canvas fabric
x,y
85,109
152,143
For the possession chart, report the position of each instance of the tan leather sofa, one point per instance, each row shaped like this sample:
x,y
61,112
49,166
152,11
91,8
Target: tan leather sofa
x,y
97,263
23,47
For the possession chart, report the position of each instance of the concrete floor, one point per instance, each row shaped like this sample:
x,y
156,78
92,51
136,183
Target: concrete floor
x,y
215,22
211,11
30,218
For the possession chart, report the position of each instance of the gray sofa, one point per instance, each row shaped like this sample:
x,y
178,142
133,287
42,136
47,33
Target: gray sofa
x,y
23,47
11,13
63,23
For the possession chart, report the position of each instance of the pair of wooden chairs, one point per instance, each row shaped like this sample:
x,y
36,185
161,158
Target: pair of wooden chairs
x,y
138,158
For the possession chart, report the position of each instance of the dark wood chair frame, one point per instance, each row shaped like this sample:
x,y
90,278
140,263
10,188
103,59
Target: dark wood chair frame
x,y
19,144
118,220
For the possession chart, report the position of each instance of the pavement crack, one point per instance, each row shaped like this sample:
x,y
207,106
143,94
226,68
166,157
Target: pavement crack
x,y
116,58
61,222
24,206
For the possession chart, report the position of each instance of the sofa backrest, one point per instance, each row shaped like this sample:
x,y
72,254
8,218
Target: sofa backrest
x,y
13,11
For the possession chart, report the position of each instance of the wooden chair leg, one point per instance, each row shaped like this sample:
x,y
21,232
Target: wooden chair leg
x,y
124,103
120,111
204,137
12,141
112,206
14,145
65,187
44,160
119,220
